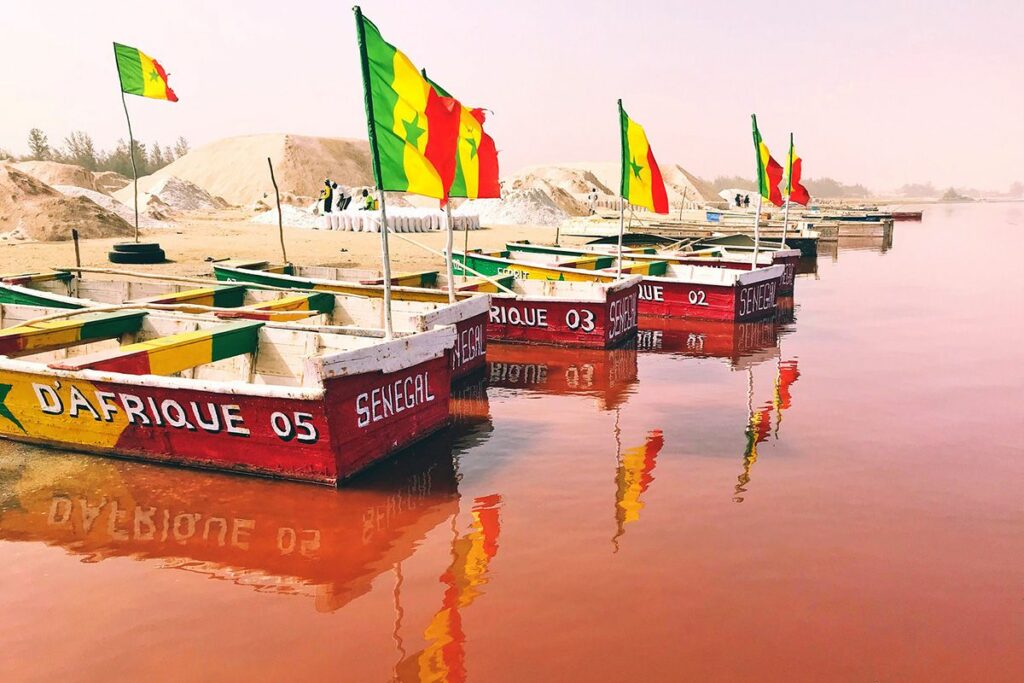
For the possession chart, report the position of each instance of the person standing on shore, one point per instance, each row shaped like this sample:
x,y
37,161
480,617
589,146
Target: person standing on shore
x,y
592,201
327,195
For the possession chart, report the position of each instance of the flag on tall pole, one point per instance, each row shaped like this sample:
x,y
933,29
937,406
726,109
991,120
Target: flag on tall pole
x,y
769,171
140,75
413,130
476,167
641,183
769,176
794,190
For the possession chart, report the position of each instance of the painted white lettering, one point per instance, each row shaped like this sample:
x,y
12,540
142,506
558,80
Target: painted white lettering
x,y
233,421
49,401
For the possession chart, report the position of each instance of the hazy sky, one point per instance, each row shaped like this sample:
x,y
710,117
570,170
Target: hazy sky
x,y
876,92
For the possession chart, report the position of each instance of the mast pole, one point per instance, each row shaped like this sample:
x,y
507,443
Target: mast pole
x,y
372,131
448,252
135,172
757,231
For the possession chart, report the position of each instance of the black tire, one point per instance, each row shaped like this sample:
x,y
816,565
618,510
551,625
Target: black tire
x,y
157,256
136,247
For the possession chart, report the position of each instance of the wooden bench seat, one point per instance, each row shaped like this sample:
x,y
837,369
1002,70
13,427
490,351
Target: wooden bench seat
x,y
54,334
175,353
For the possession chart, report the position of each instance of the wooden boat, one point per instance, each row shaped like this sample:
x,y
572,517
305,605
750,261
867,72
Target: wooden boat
x,y
714,257
675,291
583,313
241,396
907,215
63,289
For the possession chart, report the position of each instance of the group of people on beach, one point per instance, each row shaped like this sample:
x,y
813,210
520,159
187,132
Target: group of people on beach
x,y
743,201
340,198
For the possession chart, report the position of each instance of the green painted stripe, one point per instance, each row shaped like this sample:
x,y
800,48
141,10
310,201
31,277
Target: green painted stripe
x,y
110,325
231,296
321,302
129,69
259,277
234,339
26,297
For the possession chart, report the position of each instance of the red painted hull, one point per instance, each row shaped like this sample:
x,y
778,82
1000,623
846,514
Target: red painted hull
x,y
581,324
667,298
469,354
322,437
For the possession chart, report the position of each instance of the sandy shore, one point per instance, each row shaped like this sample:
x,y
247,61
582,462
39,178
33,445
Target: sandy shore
x,y
229,235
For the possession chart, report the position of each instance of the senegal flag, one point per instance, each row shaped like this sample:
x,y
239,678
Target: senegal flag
x,y
794,190
141,74
769,172
413,130
476,164
642,184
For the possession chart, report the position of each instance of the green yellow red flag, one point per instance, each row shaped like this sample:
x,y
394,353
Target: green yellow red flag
x,y
141,74
769,171
794,190
413,130
476,167
642,184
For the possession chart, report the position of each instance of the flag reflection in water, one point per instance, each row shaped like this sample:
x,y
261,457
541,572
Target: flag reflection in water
x,y
759,421
444,657
633,476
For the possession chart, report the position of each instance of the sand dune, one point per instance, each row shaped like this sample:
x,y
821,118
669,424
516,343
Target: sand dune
x,y
32,210
580,177
236,168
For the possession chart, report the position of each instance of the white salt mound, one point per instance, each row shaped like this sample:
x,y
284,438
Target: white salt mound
x,y
148,218
291,216
527,206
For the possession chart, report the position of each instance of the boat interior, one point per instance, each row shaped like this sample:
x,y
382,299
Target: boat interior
x,y
150,343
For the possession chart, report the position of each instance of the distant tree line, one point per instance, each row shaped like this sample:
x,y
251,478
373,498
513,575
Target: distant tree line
x,y
818,187
78,148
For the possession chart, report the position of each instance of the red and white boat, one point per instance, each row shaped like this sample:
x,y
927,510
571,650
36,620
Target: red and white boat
x,y
667,290
239,396
583,313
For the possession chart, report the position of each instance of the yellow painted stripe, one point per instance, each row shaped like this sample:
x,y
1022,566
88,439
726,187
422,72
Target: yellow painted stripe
x,y
168,355
411,106
640,188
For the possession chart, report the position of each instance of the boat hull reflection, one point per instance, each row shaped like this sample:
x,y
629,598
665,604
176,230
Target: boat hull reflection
x,y
271,536
740,344
607,375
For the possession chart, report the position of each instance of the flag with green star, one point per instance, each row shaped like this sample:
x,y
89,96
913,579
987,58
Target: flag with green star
x,y
142,75
476,163
413,130
642,184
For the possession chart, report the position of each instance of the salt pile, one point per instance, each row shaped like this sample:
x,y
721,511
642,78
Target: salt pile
x,y
291,216
149,217
525,206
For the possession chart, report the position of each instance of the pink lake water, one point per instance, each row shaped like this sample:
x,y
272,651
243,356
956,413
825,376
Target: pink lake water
x,y
832,497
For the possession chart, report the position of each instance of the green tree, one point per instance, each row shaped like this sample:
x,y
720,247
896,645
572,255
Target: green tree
x,y
79,149
180,147
39,145
156,157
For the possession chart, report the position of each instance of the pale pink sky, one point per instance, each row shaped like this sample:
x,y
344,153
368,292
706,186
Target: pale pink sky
x,y
876,92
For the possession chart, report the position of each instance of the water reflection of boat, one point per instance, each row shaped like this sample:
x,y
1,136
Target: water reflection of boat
x,y
607,375
741,344
271,536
